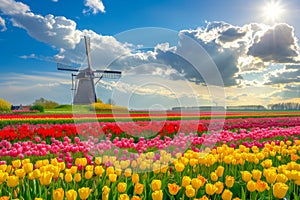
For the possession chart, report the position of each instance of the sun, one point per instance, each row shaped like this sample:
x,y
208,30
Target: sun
x,y
273,11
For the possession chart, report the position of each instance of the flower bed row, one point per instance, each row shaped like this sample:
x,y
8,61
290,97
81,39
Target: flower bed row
x,y
139,128
130,147
223,173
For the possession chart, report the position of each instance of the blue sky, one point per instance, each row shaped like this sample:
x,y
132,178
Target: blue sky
x,y
251,54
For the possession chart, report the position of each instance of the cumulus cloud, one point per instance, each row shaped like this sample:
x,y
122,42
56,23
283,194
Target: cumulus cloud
x,y
60,32
2,24
94,6
10,7
276,44
225,59
57,31
283,76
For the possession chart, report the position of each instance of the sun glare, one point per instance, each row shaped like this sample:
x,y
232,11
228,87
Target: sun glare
x,y
273,11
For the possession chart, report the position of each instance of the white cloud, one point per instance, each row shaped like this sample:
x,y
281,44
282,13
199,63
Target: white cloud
x,y
277,44
61,33
2,24
11,7
94,6
28,56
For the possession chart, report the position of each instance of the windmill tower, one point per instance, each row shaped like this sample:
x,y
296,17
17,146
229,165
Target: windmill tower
x,y
84,87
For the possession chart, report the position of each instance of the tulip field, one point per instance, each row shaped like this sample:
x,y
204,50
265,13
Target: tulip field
x,y
251,155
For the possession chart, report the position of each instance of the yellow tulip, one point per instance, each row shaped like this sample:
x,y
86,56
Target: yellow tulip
x,y
261,186
12,181
20,173
121,187
88,174
210,189
28,167
220,187
138,188
3,167
179,167
39,164
84,192
281,178
220,171
8,168
81,161
271,177
110,170
184,160
58,194
99,170
227,195
156,185
89,168
38,198
229,181
45,162
186,180
68,178
123,197
246,176
256,174
118,171
112,177
74,169
136,198
46,178
197,183
61,166
71,194
127,172
3,176
54,161
98,160
280,190
214,176
164,169
193,162
16,163
251,186
267,163
173,188
190,191
77,177
105,193
135,178
157,195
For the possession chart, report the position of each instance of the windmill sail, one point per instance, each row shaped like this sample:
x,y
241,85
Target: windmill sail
x,y
64,67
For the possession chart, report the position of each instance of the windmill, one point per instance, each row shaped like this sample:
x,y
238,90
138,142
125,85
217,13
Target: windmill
x,y
84,83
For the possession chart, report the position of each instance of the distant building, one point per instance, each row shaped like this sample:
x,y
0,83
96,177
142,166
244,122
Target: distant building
x,y
20,107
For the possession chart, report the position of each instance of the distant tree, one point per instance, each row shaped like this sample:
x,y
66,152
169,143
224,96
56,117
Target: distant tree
x,y
285,106
111,102
5,106
37,107
45,103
